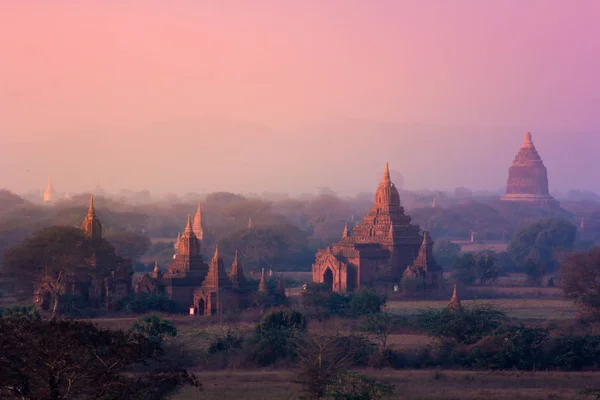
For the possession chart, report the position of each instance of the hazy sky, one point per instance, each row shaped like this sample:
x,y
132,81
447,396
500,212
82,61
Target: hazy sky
x,y
292,95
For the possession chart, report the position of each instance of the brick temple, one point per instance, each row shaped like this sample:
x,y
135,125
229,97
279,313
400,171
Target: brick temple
x,y
528,177
381,249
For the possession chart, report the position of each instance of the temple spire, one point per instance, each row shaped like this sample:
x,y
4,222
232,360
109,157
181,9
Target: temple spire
x,y
262,286
91,209
386,174
216,256
188,227
249,222
527,142
197,226
155,272
345,234
455,302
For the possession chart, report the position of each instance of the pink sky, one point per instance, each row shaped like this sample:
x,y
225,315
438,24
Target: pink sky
x,y
239,95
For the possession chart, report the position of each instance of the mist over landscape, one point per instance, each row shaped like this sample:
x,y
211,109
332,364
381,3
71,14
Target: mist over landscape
x,y
262,200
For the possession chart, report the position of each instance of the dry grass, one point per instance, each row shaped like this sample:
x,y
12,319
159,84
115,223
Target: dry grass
x,y
528,309
410,385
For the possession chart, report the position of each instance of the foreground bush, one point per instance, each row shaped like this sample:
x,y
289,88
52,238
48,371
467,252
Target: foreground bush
x,y
76,360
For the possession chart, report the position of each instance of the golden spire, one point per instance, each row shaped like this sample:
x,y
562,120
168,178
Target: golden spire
x,y
235,258
249,222
216,255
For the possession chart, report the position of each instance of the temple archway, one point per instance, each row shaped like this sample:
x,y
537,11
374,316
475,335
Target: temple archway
x,y
328,278
201,307
46,301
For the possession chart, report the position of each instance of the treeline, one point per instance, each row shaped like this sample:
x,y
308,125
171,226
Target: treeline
x,y
285,233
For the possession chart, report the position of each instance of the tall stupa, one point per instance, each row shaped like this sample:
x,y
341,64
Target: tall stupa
x,y
528,177
49,192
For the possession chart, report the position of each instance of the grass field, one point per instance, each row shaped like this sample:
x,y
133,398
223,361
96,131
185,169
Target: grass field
x,y
409,384
527,309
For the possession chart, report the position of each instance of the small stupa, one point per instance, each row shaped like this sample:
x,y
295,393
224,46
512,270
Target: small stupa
x,y
454,304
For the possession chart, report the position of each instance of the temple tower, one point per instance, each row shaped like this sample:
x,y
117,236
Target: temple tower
x,y
236,276
216,277
49,192
262,286
528,177
455,305
91,224
197,227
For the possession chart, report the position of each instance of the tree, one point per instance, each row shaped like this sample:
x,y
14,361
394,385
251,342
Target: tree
x,y
579,277
154,328
379,325
129,244
322,363
276,245
486,267
325,361
445,253
366,301
63,359
466,326
465,269
543,241
55,255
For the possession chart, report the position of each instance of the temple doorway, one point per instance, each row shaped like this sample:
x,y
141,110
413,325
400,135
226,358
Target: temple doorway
x,y
46,301
328,278
201,307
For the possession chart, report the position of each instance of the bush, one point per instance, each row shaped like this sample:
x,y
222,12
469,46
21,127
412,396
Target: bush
x,y
154,328
26,312
273,335
466,326
366,301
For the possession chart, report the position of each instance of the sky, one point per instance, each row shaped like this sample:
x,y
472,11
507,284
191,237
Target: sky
x,y
289,96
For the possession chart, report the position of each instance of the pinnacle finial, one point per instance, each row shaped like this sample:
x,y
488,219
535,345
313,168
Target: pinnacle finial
x,y
345,234
249,222
527,142
91,209
235,257
198,210
155,265
216,256
386,173
188,227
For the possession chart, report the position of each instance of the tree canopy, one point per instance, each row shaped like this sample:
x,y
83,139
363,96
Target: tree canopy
x,y
52,360
543,241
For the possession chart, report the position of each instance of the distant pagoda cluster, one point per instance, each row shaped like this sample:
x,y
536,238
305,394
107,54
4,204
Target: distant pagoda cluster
x,y
528,177
205,287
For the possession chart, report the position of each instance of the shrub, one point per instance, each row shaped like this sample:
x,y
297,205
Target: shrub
x,y
466,326
26,312
366,301
154,328
273,335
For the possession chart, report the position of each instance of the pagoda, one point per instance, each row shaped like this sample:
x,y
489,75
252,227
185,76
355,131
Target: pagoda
x,y
528,177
